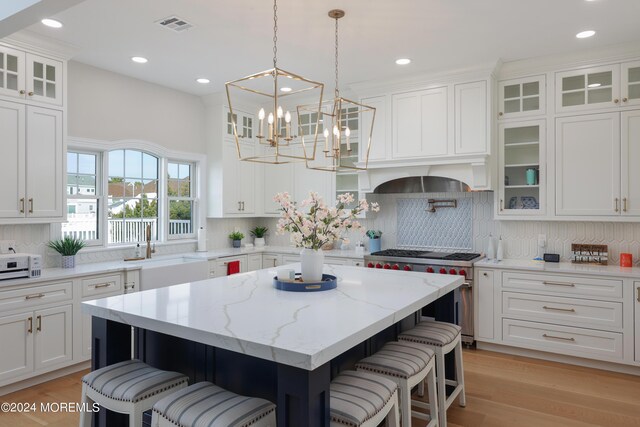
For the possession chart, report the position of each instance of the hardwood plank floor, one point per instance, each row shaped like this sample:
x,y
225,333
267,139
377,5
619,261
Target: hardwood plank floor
x,y
502,390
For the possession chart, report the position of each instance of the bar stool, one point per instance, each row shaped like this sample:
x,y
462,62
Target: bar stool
x,y
407,364
206,404
442,338
361,399
130,387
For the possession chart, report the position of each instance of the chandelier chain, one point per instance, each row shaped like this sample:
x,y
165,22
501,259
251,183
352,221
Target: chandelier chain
x,y
337,90
275,33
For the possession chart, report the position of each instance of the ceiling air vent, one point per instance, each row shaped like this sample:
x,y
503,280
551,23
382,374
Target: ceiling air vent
x,y
174,23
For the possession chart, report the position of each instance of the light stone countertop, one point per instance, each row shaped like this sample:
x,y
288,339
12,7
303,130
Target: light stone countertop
x,y
289,250
246,314
561,267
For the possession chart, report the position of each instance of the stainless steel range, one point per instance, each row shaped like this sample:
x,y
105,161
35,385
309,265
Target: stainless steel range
x,y
458,263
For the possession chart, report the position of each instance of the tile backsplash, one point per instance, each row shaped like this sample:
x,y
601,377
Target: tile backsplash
x,y
519,237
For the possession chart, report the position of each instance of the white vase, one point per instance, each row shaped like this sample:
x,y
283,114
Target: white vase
x,y
259,241
312,262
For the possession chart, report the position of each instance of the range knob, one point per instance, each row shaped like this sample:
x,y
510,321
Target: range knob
x,y
396,267
378,265
370,265
443,270
429,269
387,267
462,273
453,271
407,268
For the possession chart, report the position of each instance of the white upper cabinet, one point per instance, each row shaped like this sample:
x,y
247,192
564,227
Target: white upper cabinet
x,y
306,180
521,97
631,83
238,180
588,88
378,148
420,123
471,118
630,159
12,72
276,179
588,165
12,135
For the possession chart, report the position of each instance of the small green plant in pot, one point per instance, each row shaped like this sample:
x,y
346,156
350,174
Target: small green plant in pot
x,y
237,237
68,247
258,234
375,238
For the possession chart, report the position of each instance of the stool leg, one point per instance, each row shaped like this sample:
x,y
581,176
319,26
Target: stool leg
x,y
86,415
135,417
460,375
405,403
433,396
442,391
393,418
421,389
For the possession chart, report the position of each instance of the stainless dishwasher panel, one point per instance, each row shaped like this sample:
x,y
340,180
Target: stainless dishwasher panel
x,y
464,311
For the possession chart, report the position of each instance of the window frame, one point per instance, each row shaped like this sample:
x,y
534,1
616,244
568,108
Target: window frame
x,y
192,198
197,181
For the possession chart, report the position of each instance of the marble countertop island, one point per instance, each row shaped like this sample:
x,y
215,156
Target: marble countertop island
x,y
244,313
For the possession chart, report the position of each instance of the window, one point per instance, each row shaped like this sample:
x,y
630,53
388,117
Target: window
x,y
308,123
82,203
132,196
180,195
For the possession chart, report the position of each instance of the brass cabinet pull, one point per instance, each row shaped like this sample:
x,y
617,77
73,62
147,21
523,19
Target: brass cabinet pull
x,y
558,338
239,206
615,206
625,99
570,310
22,92
22,205
501,205
31,205
39,327
129,285
30,330
624,204
500,114
638,294
34,296
615,101
30,94
559,284
103,285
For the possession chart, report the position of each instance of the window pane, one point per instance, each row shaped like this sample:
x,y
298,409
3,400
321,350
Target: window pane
x,y
185,188
72,181
180,217
116,163
149,166
87,163
172,170
86,184
72,162
185,171
115,187
173,187
132,188
82,219
132,163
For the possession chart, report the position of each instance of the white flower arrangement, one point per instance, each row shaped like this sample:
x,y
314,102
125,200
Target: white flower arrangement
x,y
322,224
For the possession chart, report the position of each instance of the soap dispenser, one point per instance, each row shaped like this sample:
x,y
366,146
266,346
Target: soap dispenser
x,y
500,253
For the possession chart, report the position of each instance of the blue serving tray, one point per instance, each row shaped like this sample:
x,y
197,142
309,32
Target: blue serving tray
x,y
328,282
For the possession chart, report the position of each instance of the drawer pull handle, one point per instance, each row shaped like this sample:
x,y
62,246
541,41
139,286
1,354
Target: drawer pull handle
x,y
34,296
30,330
638,289
572,285
558,338
39,327
103,285
570,310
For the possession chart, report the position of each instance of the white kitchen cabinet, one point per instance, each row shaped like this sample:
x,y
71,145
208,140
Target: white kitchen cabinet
x,y
630,161
271,260
588,165
12,161
17,358
276,179
30,77
484,291
420,123
636,295
239,180
471,118
53,336
220,267
588,88
630,83
306,180
290,259
356,262
522,171
381,124
522,97
337,261
254,262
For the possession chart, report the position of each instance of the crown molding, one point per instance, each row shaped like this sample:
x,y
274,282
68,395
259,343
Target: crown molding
x,y
28,40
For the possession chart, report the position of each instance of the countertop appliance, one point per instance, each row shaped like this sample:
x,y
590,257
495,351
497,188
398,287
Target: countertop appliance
x,y
17,266
430,262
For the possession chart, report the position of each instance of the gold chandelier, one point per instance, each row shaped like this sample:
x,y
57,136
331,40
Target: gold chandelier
x,y
268,93
347,124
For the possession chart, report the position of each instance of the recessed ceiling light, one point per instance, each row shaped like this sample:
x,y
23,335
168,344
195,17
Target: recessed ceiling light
x,y
585,34
51,23
285,89
203,81
594,85
139,59
403,61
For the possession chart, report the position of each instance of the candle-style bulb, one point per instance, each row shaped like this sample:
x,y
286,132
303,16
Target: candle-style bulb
x,y
270,119
279,112
261,114
287,117
347,132
336,131
326,133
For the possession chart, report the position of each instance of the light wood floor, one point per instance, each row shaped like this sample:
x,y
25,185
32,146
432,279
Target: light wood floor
x,y
502,390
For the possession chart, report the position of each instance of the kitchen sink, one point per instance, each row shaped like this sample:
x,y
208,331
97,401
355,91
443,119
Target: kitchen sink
x,y
158,273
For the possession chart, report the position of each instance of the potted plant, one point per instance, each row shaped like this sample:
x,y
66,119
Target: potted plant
x,y
237,237
312,229
258,234
68,247
375,237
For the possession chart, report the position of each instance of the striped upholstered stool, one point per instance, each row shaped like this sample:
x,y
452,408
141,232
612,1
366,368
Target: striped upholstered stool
x,y
442,338
206,404
407,364
361,399
129,387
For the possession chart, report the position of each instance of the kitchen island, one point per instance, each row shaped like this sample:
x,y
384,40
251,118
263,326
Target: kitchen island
x,y
244,335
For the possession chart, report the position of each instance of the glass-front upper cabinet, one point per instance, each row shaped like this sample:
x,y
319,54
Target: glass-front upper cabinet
x,y
522,168
522,97
631,83
44,79
12,72
588,88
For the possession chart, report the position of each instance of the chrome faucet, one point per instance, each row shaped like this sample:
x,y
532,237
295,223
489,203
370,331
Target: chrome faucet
x,y
149,249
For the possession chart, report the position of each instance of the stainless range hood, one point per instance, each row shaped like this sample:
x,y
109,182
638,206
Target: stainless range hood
x,y
422,184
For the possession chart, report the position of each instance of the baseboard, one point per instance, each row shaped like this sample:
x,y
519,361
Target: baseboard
x,y
43,378
561,358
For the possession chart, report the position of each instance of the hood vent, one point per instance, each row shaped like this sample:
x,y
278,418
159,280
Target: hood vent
x,y
422,184
174,23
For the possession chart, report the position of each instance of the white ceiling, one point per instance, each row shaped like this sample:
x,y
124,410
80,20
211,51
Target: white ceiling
x,y
231,39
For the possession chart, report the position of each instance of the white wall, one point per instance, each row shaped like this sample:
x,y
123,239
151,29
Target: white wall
x,y
109,106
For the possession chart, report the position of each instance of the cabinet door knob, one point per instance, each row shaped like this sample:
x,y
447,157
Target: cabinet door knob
x,y
615,101
485,274
30,94
500,114
625,99
22,92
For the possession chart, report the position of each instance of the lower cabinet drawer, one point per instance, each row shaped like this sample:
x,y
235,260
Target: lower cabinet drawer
x,y
19,299
563,311
579,286
563,339
101,285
